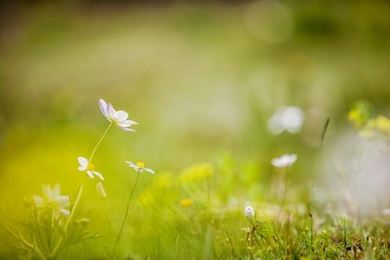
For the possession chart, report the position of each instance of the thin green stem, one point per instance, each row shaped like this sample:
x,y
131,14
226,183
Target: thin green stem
x,y
126,214
68,221
99,141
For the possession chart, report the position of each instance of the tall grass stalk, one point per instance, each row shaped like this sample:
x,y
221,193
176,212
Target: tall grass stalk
x,y
126,214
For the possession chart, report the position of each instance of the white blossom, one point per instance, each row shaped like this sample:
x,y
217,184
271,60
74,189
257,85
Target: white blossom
x,y
119,117
139,167
52,199
249,212
284,161
86,166
288,119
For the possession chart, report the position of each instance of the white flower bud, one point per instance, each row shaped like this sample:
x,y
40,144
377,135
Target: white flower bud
x,y
249,212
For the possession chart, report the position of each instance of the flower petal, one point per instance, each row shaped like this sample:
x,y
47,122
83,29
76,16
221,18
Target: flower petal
x,y
126,129
103,107
90,174
38,201
110,111
131,164
121,115
65,212
99,175
62,199
127,123
149,170
82,161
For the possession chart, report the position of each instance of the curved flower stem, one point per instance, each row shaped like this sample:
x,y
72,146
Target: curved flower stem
x,y
126,214
99,141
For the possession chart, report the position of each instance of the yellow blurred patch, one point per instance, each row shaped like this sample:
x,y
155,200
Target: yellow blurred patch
x,y
196,173
185,203
382,123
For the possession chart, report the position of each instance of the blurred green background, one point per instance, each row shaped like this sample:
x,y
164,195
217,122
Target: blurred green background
x,y
201,78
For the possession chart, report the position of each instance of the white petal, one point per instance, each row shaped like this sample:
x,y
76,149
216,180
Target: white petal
x,y
121,115
134,166
131,164
90,174
126,128
99,175
82,168
110,111
149,170
38,201
127,123
64,200
284,161
274,125
65,212
82,161
103,107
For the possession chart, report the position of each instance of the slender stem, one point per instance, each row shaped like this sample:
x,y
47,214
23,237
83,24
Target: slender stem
x,y
76,203
68,221
99,141
126,213
344,233
208,189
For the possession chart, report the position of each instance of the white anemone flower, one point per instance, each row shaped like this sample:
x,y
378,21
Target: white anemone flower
x,y
89,168
52,199
249,212
289,119
139,167
119,117
284,161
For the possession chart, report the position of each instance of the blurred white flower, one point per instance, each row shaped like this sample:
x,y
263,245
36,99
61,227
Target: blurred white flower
x,y
139,167
119,117
288,119
249,212
284,161
386,212
100,190
89,168
52,199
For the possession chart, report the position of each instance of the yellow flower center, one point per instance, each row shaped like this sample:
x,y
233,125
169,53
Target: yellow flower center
x,y
90,167
140,165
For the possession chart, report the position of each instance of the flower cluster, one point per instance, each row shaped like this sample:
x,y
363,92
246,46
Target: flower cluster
x,y
119,118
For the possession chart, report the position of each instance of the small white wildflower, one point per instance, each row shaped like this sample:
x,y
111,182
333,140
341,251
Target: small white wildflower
x,y
51,198
100,190
249,212
139,167
119,117
284,161
89,168
288,119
